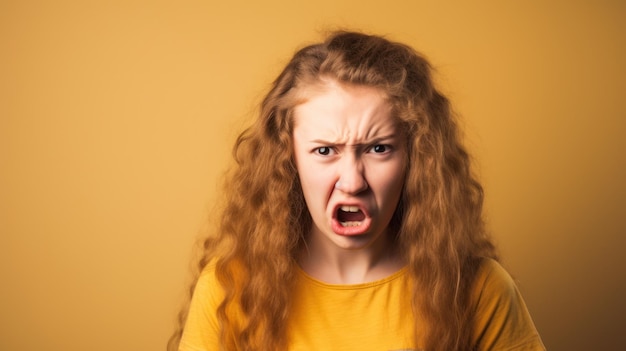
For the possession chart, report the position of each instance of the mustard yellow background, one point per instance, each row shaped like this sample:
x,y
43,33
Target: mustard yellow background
x,y
117,119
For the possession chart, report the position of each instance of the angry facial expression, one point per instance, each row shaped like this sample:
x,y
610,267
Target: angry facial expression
x,y
351,160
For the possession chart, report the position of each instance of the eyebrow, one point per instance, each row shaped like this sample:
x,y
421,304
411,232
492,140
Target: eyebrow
x,y
368,142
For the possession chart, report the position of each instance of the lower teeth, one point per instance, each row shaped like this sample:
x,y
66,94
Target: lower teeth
x,y
350,224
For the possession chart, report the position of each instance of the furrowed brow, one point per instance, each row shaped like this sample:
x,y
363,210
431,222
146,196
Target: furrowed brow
x,y
376,140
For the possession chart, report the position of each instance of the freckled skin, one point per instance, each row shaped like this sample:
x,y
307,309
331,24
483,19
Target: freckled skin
x,y
348,134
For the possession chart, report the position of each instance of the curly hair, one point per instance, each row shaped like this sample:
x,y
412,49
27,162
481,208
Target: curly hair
x,y
438,221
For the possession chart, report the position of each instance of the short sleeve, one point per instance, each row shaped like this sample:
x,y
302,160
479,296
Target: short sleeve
x,y
202,328
502,319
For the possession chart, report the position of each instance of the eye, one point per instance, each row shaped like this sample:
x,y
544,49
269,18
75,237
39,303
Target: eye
x,y
380,149
324,151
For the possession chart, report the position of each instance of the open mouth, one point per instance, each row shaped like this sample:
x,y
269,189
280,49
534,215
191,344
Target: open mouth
x,y
350,216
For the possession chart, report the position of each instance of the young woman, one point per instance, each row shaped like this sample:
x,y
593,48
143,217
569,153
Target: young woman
x,y
352,220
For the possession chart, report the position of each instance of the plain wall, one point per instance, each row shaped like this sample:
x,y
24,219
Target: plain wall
x,y
117,119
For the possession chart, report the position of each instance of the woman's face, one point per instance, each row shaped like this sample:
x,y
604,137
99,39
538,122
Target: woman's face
x,y
351,161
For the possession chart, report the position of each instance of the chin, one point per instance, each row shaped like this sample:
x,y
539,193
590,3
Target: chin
x,y
353,242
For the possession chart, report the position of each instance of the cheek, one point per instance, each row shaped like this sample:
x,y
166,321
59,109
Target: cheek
x,y
315,181
391,182
391,188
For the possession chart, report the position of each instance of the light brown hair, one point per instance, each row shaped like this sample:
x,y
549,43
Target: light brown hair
x,y
438,223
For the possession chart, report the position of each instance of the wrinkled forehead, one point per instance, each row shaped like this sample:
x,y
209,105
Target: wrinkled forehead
x,y
345,114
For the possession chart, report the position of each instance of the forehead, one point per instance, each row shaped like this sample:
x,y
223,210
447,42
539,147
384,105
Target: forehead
x,y
345,112
325,89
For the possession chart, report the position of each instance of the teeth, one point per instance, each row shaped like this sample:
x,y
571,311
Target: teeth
x,y
349,208
350,224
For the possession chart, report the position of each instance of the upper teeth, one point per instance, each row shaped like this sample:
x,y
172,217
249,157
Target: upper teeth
x,y
349,208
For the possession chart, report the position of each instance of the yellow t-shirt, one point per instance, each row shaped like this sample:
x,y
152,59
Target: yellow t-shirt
x,y
372,316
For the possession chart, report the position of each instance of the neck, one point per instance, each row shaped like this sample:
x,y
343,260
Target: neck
x,y
325,261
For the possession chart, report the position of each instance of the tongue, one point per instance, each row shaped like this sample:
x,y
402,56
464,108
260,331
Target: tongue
x,y
350,216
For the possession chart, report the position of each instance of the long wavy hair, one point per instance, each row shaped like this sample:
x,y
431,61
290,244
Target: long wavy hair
x,y
264,220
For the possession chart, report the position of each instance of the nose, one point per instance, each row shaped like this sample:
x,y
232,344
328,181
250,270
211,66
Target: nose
x,y
351,176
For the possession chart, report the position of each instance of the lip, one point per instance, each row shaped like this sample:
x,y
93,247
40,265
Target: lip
x,y
350,231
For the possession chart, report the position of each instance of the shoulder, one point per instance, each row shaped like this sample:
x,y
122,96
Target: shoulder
x,y
501,318
207,278
493,278
202,327
494,289
207,290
